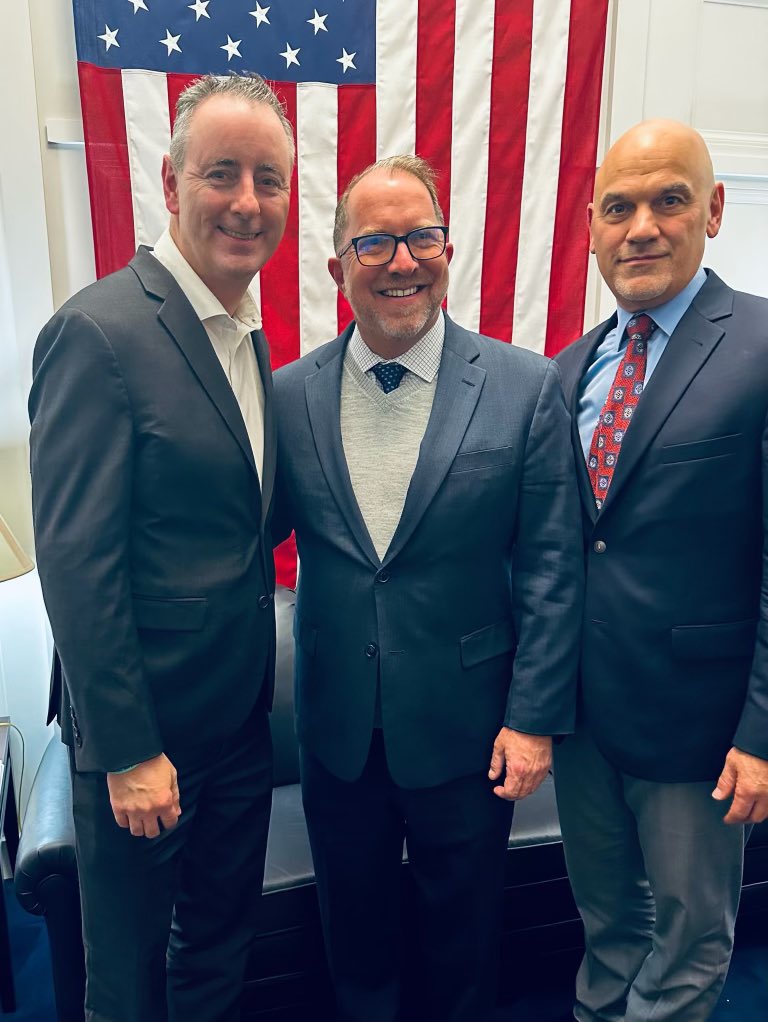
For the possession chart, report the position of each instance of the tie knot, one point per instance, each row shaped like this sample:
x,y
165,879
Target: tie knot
x,y
639,329
389,375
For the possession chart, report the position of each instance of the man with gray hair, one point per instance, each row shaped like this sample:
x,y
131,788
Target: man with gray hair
x,y
427,473
153,458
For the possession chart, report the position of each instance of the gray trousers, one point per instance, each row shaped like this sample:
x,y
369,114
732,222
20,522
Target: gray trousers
x,y
656,875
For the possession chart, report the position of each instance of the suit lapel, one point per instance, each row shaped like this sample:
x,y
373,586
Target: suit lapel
x,y
689,347
270,435
323,395
571,388
459,385
177,316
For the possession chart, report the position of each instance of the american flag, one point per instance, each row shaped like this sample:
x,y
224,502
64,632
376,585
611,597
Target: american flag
x,y
501,96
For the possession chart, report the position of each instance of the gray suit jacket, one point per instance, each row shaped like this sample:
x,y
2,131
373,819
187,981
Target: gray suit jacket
x,y
675,646
151,524
471,621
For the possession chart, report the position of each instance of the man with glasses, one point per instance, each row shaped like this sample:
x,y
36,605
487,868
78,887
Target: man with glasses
x,y
428,474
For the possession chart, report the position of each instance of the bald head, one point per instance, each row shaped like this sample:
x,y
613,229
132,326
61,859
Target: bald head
x,y
673,142
654,204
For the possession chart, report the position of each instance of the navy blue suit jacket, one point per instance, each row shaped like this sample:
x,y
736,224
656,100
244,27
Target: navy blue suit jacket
x,y
471,621
675,646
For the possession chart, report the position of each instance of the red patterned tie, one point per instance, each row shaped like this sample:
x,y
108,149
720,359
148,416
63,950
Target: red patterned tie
x,y
619,407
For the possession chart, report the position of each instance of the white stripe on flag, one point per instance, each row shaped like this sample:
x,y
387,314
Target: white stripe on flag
x,y
148,128
469,155
396,55
316,131
549,65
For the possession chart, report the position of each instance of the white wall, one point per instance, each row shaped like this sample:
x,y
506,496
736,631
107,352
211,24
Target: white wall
x,y
702,61
25,304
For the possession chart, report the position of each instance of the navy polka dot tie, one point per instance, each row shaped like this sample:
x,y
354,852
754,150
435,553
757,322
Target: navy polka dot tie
x,y
389,375
619,407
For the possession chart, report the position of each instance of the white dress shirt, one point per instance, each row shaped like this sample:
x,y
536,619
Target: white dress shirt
x,y
230,337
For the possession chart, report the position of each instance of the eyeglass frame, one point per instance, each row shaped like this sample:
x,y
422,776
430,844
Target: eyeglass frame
x,y
397,238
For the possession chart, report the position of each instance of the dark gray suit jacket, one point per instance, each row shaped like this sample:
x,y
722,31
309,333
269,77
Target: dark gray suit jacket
x,y
675,646
472,619
151,525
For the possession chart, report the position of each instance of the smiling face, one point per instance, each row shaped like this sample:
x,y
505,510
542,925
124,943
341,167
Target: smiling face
x,y
396,304
655,202
229,202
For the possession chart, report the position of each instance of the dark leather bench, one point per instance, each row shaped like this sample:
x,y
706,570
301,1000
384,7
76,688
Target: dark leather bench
x,y
287,978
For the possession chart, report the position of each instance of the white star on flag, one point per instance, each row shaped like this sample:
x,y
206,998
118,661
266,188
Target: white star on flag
x,y
290,56
346,60
318,22
138,5
171,41
231,47
110,37
200,7
260,14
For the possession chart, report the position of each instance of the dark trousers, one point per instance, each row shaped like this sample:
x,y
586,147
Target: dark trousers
x,y
168,922
456,837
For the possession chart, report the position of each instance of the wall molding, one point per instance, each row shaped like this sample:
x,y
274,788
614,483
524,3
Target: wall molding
x,y
738,153
60,131
740,3
745,189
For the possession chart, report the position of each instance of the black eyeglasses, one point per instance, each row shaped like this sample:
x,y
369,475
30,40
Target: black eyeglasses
x,y
378,249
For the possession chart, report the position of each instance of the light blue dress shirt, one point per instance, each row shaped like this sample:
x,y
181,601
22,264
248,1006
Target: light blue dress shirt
x,y
598,378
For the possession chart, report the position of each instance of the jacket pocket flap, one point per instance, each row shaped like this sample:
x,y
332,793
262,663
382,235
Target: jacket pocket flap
x,y
495,457
712,642
715,447
305,635
183,615
488,642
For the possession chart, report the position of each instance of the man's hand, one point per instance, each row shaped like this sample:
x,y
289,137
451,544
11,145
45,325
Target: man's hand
x,y
142,796
526,758
745,777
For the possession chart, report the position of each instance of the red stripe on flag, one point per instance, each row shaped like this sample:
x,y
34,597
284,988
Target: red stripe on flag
x,y
285,562
355,150
434,90
280,276
506,159
581,115
106,157
176,84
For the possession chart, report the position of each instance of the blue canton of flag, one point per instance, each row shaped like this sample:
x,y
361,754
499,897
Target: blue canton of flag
x,y
330,41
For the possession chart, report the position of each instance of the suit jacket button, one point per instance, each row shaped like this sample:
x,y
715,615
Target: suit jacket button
x,y
599,546
264,602
383,575
371,650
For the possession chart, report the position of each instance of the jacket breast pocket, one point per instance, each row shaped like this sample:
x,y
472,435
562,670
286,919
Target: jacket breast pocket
x,y
172,615
475,461
698,450
484,644
731,640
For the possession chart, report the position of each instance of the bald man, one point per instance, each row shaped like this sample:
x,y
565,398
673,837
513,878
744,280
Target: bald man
x,y
668,401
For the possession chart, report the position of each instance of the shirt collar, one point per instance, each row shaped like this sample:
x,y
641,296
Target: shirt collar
x,y
206,305
666,316
423,359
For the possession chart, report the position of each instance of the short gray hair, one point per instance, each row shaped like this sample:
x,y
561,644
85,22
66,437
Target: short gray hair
x,y
414,165
250,87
